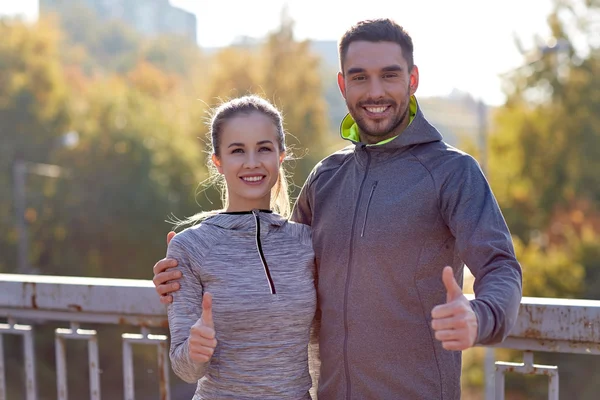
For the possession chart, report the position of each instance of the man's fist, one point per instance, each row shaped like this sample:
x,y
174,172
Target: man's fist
x,y
454,323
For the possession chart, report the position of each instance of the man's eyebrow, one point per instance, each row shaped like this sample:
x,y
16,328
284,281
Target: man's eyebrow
x,y
355,70
389,68
392,68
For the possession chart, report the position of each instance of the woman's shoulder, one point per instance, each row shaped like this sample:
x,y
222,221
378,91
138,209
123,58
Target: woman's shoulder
x,y
196,236
301,231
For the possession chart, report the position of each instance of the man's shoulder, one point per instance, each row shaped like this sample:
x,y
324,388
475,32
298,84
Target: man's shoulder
x,y
333,161
440,154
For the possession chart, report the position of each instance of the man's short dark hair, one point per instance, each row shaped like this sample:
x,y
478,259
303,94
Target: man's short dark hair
x,y
377,30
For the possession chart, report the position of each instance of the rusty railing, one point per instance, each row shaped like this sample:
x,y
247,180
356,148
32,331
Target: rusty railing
x,y
544,324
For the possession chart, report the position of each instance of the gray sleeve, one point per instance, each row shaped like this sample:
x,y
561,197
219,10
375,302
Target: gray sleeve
x,y
185,310
302,212
485,245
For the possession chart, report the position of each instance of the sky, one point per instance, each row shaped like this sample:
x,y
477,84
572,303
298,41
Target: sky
x,y
459,44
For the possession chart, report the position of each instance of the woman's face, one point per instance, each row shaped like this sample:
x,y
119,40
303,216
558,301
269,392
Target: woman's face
x,y
249,160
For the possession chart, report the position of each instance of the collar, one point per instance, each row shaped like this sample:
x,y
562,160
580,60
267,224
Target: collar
x,y
349,128
418,131
245,220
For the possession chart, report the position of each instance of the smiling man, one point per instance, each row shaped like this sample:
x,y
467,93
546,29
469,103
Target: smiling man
x,y
395,217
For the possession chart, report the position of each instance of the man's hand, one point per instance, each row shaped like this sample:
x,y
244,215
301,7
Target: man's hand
x,y
163,276
454,323
202,340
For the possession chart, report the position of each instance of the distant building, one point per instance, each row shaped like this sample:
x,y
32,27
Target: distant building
x,y
151,17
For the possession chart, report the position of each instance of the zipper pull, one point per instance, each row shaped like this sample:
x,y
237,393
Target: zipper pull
x,y
262,255
362,233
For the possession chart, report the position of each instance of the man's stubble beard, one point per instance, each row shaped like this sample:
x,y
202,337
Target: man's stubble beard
x,y
385,133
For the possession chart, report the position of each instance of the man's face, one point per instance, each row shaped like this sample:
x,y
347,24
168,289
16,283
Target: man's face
x,y
377,86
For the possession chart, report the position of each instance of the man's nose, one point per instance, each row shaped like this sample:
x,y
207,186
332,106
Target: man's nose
x,y
376,89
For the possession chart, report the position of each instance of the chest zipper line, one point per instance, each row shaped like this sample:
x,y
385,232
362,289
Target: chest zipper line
x,y
362,233
348,275
262,255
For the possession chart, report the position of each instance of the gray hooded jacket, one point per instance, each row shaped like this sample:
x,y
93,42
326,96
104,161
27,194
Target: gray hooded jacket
x,y
259,269
386,220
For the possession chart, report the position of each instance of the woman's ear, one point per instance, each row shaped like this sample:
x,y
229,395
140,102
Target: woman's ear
x,y
281,158
217,163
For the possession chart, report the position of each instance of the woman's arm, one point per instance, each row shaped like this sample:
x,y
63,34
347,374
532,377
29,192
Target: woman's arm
x,y
183,313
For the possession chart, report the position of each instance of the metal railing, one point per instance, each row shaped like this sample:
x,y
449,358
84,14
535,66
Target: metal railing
x,y
75,300
544,324
549,325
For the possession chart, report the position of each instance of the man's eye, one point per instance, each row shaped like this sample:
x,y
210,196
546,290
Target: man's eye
x,y
358,78
390,75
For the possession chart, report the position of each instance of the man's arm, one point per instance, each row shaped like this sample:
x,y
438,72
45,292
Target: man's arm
x,y
166,276
302,212
485,245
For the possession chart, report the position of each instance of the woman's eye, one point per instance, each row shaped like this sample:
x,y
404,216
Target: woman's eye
x,y
237,151
264,149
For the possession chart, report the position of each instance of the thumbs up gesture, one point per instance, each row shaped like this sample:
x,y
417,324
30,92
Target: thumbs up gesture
x,y
454,323
202,340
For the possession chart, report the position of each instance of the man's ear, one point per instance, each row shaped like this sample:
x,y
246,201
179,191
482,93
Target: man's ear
x,y
217,163
341,84
414,80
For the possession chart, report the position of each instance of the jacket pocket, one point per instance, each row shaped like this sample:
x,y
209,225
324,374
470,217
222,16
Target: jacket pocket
x,y
362,232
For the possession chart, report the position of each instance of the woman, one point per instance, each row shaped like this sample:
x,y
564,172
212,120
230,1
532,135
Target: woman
x,y
240,322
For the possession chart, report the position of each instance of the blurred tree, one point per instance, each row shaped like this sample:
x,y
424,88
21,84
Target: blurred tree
x,y
549,126
173,54
34,110
134,165
291,78
286,72
151,81
544,161
137,161
233,72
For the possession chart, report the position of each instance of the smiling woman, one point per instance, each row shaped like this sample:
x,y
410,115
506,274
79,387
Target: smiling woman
x,y
240,323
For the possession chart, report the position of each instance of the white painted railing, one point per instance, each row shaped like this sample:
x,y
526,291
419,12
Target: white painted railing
x,y
551,325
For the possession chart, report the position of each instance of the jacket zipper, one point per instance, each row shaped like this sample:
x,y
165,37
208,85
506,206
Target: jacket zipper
x,y
346,364
262,255
362,233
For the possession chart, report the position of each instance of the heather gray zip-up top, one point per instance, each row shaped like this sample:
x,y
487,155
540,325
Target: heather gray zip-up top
x,y
386,220
259,269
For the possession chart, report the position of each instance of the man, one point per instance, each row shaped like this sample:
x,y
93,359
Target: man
x,y
395,216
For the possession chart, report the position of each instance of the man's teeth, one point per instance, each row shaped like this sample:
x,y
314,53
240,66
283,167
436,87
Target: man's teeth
x,y
252,178
376,109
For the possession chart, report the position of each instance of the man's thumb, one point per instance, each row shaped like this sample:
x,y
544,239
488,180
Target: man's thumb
x,y
207,318
453,291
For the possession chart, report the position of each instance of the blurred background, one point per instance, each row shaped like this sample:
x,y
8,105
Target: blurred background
x,y
103,138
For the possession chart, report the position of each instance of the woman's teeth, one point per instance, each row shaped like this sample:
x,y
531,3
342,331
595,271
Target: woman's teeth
x,y
252,178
